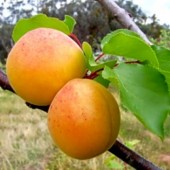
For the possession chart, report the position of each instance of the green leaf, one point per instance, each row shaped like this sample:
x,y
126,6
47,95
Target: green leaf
x,y
40,20
128,44
70,22
87,49
144,92
102,81
163,56
92,65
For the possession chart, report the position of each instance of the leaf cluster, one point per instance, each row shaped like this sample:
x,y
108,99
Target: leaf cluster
x,y
141,72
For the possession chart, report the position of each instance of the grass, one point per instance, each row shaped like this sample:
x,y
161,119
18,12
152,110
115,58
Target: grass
x,y
150,146
25,143
23,133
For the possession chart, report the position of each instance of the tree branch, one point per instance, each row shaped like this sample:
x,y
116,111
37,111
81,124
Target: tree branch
x,y
4,83
122,16
132,158
118,149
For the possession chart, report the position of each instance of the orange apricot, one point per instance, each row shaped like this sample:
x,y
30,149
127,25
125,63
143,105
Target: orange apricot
x,y
41,62
84,119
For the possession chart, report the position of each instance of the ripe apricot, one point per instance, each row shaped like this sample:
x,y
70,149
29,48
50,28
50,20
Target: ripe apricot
x,y
84,119
41,62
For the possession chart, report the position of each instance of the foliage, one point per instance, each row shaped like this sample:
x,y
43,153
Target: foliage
x,y
41,20
136,48
163,56
141,87
140,76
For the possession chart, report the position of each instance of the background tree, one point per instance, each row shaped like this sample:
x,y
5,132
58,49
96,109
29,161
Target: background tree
x,y
15,10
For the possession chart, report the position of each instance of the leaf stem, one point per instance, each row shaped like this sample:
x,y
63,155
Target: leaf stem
x,y
93,74
99,56
129,62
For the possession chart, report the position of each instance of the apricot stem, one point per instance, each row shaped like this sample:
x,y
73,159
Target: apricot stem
x,y
74,37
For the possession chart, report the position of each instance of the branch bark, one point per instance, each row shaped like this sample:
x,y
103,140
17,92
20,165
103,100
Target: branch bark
x,y
132,158
4,83
122,16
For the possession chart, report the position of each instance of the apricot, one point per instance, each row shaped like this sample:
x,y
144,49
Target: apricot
x,y
84,119
41,62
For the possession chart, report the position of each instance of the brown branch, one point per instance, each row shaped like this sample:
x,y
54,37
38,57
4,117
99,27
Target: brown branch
x,y
4,83
43,108
118,149
132,158
122,16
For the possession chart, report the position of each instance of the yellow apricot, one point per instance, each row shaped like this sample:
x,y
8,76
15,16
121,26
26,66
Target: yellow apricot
x,y
84,119
41,62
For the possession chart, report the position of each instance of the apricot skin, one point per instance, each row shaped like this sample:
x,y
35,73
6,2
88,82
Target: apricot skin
x,y
84,119
41,62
